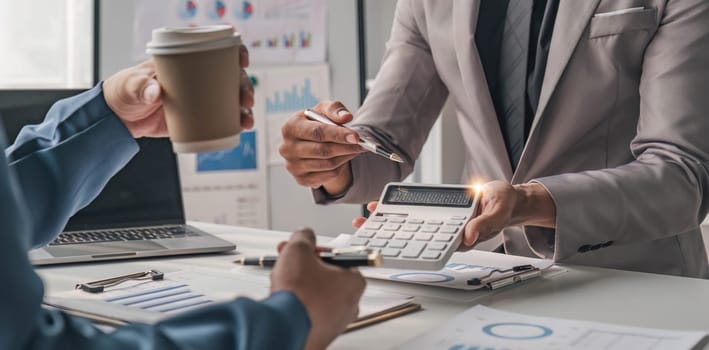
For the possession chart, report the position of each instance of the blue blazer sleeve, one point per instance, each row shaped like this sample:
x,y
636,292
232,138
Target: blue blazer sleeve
x,y
63,163
52,170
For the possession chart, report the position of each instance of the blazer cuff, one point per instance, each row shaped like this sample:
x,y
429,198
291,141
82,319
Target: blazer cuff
x,y
370,173
572,235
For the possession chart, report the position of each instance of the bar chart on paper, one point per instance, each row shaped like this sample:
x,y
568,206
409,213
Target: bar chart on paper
x,y
160,296
483,328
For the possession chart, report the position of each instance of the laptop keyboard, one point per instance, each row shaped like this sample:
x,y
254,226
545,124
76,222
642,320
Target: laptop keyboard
x,y
127,234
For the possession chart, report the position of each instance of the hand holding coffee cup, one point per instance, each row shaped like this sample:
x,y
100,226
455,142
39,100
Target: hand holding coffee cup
x,y
200,73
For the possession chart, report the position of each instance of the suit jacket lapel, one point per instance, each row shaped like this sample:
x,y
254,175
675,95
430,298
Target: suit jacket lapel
x,y
465,20
571,21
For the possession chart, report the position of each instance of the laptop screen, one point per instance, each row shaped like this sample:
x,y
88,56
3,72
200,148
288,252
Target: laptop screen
x,y
146,192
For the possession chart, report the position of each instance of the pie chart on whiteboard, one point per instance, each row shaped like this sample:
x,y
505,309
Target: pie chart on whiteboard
x,y
218,9
188,9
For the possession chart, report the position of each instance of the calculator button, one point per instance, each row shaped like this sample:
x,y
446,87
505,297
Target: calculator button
x,y
398,244
392,227
415,221
404,235
377,219
434,222
437,246
390,253
372,225
429,229
454,222
443,238
413,250
458,218
411,228
423,236
377,243
366,234
449,229
397,220
430,255
358,241
385,235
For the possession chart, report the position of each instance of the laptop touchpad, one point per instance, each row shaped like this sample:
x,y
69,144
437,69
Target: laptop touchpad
x,y
102,248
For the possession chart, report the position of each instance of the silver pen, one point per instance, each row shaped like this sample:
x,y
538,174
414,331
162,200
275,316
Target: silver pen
x,y
366,144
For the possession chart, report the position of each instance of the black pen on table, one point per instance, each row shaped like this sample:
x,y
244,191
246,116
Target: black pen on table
x,y
366,144
373,259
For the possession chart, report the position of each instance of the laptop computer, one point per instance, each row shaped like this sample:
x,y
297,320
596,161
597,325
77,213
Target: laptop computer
x,y
138,214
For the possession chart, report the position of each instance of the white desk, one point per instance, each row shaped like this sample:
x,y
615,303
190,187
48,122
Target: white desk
x,y
595,294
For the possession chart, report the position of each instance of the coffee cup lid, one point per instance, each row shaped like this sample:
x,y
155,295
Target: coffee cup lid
x,y
179,40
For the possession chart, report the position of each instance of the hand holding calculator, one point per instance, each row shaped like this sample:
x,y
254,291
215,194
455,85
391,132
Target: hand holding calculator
x,y
418,226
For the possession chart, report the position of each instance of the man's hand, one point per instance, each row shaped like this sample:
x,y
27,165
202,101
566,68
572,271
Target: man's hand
x,y
134,95
502,205
330,294
317,154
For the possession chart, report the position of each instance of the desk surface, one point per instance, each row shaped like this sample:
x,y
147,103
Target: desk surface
x,y
587,293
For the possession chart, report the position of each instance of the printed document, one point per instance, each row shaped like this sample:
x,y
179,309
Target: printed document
x,y
482,328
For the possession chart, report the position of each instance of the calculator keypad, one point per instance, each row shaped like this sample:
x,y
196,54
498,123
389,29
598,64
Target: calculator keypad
x,y
444,238
411,228
413,250
385,235
392,227
372,225
430,255
398,244
366,234
404,235
423,236
410,238
377,243
429,228
449,229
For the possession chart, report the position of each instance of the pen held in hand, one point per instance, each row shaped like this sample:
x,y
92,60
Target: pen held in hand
x,y
373,259
366,144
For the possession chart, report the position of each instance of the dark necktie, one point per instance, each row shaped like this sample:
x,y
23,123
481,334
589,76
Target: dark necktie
x,y
512,83
513,39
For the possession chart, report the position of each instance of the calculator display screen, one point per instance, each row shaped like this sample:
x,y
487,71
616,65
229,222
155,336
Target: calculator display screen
x,y
430,196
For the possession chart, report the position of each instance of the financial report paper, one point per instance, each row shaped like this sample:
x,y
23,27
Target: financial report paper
x,y
484,328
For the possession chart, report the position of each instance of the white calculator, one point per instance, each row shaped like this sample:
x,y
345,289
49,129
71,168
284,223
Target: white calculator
x,y
417,226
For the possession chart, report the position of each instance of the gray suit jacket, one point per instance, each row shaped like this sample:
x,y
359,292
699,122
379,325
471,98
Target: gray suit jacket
x,y
620,139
